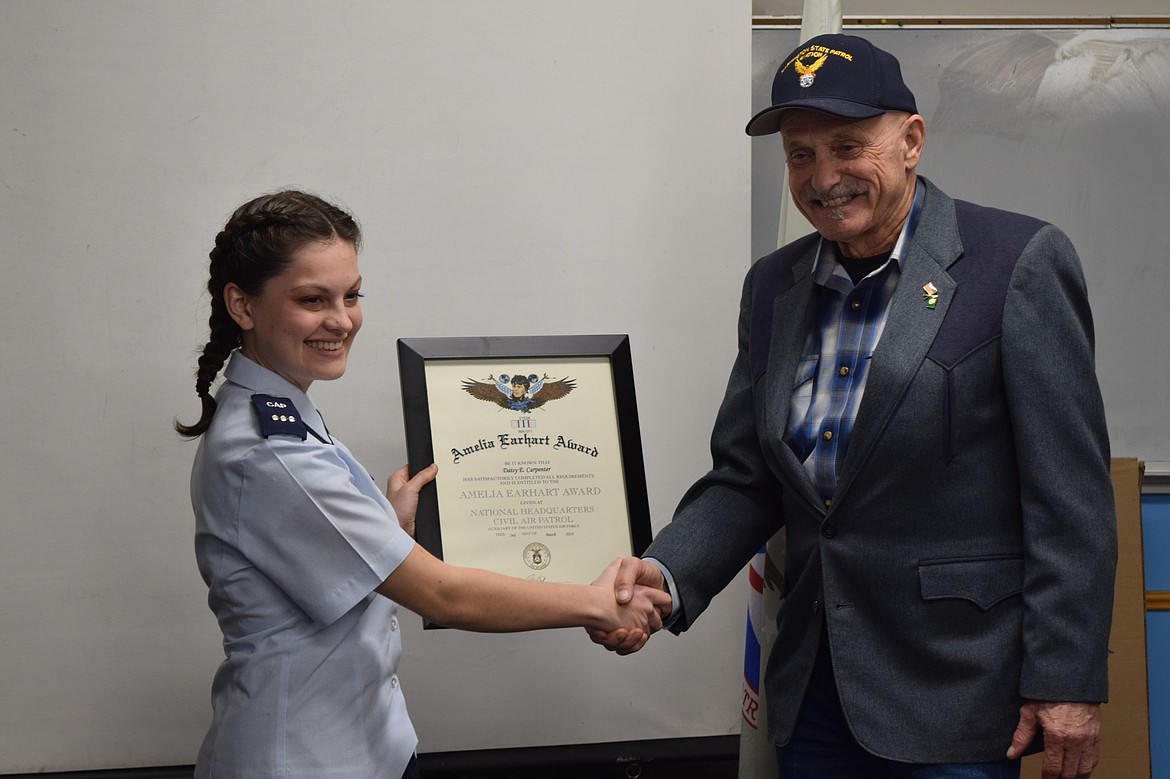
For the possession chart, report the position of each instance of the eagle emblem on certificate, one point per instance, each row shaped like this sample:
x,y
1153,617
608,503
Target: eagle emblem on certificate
x,y
519,392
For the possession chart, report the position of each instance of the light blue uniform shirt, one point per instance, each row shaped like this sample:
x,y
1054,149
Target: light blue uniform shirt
x,y
291,537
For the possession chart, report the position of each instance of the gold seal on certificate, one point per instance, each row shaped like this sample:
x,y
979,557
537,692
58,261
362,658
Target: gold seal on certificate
x,y
539,452
537,556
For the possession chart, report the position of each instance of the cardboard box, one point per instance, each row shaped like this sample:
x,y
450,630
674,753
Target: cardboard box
x,y
1125,719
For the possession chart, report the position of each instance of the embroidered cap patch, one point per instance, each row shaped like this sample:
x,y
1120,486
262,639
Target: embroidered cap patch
x,y
811,59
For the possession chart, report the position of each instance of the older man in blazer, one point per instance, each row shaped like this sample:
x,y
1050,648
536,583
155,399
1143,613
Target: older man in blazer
x,y
914,400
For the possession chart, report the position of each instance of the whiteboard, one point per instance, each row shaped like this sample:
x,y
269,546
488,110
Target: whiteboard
x,y
1065,125
583,164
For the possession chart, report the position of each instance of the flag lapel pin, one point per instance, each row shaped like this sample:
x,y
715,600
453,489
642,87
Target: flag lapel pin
x,y
930,294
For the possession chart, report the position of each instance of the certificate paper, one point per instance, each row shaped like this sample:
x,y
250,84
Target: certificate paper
x,y
540,464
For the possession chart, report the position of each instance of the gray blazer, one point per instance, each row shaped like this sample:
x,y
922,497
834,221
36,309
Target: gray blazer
x,y
967,560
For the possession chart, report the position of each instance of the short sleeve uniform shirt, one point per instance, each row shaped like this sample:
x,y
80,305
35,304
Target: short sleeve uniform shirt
x,y
292,536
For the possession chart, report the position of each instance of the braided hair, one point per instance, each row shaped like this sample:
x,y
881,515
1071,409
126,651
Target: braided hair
x,y
256,245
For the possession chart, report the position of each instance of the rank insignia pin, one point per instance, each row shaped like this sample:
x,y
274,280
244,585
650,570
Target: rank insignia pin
x,y
278,416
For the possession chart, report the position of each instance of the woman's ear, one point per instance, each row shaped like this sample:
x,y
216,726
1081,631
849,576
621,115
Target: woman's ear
x,y
239,306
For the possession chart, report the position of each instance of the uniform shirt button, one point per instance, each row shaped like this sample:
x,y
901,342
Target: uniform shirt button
x,y
843,370
827,435
394,682
856,304
828,503
394,623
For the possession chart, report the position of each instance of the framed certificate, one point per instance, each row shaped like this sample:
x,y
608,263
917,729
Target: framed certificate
x,y
539,452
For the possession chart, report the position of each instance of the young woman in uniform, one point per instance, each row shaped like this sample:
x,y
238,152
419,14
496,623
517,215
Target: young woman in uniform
x,y
304,558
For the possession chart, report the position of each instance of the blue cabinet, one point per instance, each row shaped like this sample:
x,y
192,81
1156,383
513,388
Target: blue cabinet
x,y
1156,551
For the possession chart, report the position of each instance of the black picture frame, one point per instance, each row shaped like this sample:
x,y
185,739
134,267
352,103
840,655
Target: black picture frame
x,y
416,354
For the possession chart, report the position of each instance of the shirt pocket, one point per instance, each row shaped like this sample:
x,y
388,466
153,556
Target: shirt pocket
x,y
803,383
983,580
806,371
800,401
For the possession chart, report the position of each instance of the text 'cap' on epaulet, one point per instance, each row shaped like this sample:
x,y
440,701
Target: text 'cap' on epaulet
x,y
278,416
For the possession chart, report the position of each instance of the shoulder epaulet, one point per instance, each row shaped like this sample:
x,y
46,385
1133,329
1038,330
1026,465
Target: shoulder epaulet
x,y
278,416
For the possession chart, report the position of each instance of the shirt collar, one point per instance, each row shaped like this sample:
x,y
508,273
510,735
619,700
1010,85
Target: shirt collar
x,y
827,264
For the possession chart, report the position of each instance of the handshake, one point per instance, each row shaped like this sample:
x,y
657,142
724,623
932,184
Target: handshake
x,y
635,602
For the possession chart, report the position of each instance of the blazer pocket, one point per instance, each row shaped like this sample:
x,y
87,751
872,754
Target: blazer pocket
x,y
984,581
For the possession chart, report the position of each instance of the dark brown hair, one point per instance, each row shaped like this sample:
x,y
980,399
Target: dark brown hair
x,y
255,245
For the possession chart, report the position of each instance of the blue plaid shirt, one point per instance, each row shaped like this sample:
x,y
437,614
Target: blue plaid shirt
x,y
831,377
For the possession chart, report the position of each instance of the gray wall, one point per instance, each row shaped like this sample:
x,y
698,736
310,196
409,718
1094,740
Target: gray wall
x,y
500,154
933,8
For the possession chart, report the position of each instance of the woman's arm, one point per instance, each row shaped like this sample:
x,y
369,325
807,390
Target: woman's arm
x,y
474,599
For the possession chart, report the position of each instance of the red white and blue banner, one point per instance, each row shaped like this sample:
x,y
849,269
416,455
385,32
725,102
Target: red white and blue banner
x,y
754,640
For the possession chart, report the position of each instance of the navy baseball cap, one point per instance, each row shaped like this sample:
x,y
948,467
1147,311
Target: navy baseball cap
x,y
841,75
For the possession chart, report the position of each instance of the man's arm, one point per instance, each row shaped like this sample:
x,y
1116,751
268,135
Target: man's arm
x,y
1062,450
727,514
1068,516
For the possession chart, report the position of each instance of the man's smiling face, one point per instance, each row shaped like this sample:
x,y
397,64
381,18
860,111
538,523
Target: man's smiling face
x,y
853,179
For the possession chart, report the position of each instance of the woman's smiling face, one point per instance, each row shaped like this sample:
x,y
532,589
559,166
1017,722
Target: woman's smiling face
x,y
302,324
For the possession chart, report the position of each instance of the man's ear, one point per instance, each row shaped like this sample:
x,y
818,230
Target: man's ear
x,y
239,305
914,136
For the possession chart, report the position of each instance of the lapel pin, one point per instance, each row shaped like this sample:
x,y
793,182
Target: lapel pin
x,y
930,294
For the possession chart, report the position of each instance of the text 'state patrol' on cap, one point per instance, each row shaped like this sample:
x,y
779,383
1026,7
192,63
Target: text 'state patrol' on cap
x,y
841,75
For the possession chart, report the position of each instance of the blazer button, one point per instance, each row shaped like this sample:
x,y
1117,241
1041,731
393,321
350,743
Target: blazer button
x,y
829,530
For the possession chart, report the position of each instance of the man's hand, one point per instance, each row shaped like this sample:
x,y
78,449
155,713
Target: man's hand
x,y
402,492
631,577
1072,737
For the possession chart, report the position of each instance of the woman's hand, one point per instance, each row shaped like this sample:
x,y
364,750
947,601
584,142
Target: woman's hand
x,y
402,492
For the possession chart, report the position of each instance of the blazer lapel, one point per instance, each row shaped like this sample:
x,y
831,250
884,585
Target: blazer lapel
x,y
792,318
